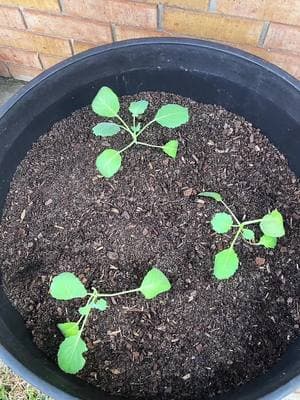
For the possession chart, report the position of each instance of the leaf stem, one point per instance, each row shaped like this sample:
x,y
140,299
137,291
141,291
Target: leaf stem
x,y
91,300
241,227
145,127
127,147
149,145
231,212
118,293
254,221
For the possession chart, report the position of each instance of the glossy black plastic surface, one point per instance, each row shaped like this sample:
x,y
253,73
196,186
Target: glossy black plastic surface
x,y
204,71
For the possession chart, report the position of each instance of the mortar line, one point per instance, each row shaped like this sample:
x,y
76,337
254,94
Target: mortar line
x,y
263,33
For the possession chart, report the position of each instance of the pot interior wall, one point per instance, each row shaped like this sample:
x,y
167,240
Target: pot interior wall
x,y
205,72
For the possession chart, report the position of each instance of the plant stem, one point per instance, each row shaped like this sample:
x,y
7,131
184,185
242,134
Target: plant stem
x,y
149,145
118,293
254,221
145,127
134,123
91,300
231,212
241,227
127,147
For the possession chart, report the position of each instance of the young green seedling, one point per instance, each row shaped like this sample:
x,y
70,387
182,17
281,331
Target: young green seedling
x,y
66,286
227,261
106,104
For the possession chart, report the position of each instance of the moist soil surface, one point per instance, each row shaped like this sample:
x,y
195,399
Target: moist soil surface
x,y
203,337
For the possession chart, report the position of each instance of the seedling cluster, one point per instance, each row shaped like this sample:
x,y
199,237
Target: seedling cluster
x,y
66,286
106,104
226,262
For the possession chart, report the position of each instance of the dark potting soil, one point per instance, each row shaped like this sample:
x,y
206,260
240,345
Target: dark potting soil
x,y
205,336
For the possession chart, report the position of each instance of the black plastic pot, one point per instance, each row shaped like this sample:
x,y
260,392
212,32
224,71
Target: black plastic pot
x,y
208,72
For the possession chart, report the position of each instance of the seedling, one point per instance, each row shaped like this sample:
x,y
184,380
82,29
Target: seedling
x,y
106,104
227,261
66,286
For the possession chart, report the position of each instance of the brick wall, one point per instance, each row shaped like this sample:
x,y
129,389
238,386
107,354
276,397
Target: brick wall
x,y
35,34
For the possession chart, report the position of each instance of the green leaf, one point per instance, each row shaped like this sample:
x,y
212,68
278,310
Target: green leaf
x,y
68,329
248,234
171,148
109,162
138,107
226,264
69,355
136,129
172,115
85,309
154,283
272,224
106,129
212,195
67,286
221,222
100,305
106,103
268,242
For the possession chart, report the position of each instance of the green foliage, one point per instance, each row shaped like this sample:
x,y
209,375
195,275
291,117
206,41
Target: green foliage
x,y
272,224
248,234
226,264
227,261
68,329
154,283
67,286
212,195
221,222
171,148
109,162
70,354
172,116
138,107
106,129
268,242
106,104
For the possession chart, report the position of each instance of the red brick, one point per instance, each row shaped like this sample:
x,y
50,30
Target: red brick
x,y
69,27
11,17
49,5
283,37
4,70
18,56
194,4
23,73
212,26
127,32
80,46
286,11
48,60
119,12
30,41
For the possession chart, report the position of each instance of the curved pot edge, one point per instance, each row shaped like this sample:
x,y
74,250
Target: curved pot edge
x,y
149,41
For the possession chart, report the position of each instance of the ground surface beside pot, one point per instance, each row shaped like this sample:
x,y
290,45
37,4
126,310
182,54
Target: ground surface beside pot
x,y
204,336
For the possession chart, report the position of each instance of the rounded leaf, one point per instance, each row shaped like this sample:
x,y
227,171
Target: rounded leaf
x,y
109,162
268,242
272,224
172,115
68,329
154,283
248,234
171,148
69,356
212,195
100,305
106,103
221,222
67,286
106,129
226,263
138,107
